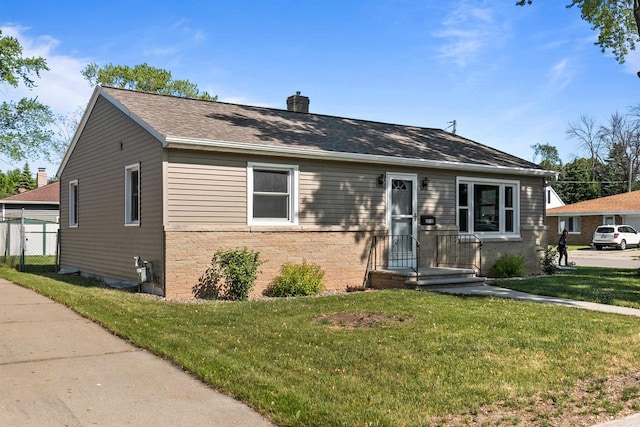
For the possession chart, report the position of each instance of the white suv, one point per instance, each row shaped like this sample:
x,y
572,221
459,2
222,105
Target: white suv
x,y
619,236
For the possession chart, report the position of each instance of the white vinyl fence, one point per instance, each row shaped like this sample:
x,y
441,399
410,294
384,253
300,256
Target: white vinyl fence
x,y
28,242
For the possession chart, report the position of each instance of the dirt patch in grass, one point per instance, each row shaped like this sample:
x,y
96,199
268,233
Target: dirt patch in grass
x,y
360,320
585,404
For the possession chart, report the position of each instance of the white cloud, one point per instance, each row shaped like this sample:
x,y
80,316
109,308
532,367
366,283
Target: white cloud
x,y
561,74
63,87
467,31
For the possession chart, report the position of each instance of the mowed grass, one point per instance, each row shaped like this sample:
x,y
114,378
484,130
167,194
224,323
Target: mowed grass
x,y
435,355
602,285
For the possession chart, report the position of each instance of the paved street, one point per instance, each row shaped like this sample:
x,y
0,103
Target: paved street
x,y
614,258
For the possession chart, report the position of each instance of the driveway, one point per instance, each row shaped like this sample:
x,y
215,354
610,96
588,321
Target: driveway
x,y
613,258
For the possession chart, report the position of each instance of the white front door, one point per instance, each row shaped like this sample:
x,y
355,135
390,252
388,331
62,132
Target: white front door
x,y
402,221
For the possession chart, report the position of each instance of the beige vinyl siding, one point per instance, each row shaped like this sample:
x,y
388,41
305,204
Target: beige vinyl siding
x,y
334,194
102,245
205,188
211,189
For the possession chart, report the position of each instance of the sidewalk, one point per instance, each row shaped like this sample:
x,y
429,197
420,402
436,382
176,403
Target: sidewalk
x,y
60,369
489,290
495,291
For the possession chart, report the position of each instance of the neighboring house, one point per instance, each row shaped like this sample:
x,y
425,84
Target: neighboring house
x,y
582,218
29,223
553,200
41,203
171,180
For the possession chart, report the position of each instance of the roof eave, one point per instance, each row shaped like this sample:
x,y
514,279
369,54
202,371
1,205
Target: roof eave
x,y
598,213
270,150
98,91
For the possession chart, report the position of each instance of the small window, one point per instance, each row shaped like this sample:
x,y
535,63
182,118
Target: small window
x,y
132,194
272,194
73,203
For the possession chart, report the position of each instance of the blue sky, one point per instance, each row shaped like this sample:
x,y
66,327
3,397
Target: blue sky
x,y
510,76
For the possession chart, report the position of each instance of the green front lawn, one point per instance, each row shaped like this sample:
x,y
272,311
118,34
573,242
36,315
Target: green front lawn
x,y
603,285
382,358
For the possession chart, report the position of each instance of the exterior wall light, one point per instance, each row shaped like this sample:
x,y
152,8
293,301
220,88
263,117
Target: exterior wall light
x,y
381,179
425,183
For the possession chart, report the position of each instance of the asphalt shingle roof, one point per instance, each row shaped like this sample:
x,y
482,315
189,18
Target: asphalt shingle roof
x,y
218,121
49,193
625,202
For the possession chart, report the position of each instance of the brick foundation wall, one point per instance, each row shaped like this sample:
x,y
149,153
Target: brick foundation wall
x,y
341,254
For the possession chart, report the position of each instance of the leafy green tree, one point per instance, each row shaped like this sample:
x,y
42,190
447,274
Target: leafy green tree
x,y
575,182
9,181
616,21
143,78
549,157
24,124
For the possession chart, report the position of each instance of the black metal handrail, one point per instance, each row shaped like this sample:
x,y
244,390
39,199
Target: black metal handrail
x,y
393,251
463,250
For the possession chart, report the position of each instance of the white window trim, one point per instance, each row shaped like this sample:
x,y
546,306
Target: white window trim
x,y
564,217
293,190
127,195
74,204
501,183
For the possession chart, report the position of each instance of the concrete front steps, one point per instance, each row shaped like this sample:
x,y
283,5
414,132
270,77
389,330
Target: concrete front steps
x,y
426,278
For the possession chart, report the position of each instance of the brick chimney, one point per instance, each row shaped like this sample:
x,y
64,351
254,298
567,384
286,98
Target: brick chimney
x,y
298,103
41,178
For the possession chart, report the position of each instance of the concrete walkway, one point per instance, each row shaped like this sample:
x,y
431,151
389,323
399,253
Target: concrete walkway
x,y
495,291
60,369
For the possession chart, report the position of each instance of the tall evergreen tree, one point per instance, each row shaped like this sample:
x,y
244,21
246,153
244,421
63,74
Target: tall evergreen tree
x,y
26,181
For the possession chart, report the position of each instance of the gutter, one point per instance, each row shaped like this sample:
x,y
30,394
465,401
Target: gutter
x,y
266,150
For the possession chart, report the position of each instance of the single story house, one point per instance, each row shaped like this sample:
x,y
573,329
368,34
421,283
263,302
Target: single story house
x,y
582,218
30,219
170,180
41,203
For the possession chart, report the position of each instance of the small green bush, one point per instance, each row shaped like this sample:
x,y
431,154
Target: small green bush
x,y
509,265
548,260
231,276
297,280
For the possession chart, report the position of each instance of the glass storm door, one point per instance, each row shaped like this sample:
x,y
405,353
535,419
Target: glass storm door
x,y
402,219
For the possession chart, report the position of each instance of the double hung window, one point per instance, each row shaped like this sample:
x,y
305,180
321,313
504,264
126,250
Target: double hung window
x,y
272,194
73,203
132,194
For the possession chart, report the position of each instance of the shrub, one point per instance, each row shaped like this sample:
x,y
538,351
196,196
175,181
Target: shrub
x,y
231,276
509,265
548,260
208,286
297,280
